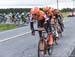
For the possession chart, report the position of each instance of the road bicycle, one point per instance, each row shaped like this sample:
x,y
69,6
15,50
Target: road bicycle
x,y
45,44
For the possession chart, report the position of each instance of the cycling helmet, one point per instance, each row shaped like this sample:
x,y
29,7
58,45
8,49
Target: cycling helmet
x,y
46,8
35,10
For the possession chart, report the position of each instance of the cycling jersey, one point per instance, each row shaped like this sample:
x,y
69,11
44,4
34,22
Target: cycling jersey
x,y
40,17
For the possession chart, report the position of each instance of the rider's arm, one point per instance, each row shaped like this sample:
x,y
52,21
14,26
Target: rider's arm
x,y
46,18
46,23
31,25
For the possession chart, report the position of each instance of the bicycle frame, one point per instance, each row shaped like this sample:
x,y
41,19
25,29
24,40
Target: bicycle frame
x,y
45,43
49,37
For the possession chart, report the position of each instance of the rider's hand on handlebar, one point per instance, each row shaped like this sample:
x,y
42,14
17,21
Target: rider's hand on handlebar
x,y
33,33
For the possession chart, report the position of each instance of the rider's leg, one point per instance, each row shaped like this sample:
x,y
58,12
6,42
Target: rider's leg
x,y
61,26
49,24
40,34
57,36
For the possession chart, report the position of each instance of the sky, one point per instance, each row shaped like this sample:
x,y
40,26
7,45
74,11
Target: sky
x,y
33,3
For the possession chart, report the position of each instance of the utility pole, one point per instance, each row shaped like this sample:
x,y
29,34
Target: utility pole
x,y
57,5
73,7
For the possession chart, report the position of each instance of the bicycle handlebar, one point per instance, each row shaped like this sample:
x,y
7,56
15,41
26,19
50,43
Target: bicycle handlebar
x,y
43,31
39,29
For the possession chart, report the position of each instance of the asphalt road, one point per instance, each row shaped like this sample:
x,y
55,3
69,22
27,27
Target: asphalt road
x,y
73,53
20,43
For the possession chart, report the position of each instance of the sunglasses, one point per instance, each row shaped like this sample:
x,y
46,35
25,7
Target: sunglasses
x,y
35,14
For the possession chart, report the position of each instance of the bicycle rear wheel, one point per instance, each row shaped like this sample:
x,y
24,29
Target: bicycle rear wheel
x,y
41,48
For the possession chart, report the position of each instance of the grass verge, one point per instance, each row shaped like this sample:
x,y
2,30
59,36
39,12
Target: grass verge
x,y
65,14
7,26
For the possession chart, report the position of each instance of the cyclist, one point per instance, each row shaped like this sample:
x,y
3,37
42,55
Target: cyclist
x,y
18,17
37,14
4,19
14,18
59,19
51,22
23,18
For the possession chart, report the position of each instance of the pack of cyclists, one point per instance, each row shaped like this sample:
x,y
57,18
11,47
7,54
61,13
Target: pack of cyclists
x,y
49,18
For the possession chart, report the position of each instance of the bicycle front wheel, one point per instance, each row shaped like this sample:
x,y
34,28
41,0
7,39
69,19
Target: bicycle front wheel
x,y
41,48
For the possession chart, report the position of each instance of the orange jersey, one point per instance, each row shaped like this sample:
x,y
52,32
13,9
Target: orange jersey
x,y
41,15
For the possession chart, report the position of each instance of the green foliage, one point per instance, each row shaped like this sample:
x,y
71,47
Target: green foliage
x,y
14,10
65,14
7,26
66,10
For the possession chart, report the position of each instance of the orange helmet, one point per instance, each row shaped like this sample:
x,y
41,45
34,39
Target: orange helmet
x,y
46,8
35,10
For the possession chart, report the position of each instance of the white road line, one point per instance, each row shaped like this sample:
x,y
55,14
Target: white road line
x,y
14,37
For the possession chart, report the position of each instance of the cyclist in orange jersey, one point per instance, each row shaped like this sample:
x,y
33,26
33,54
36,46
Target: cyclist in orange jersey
x,y
51,22
40,16
49,14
